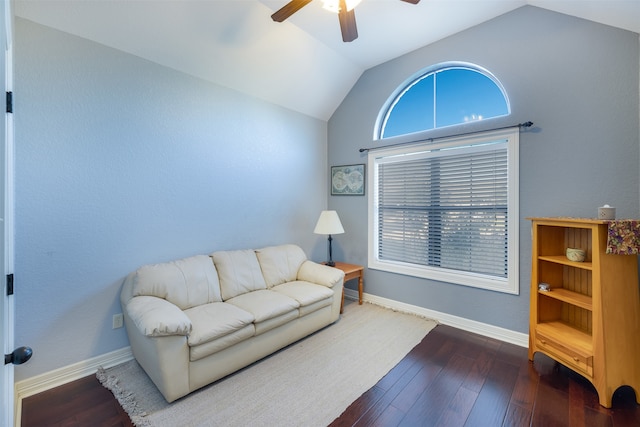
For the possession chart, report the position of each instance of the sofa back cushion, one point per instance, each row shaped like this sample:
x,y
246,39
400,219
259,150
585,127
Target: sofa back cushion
x,y
280,264
239,272
186,282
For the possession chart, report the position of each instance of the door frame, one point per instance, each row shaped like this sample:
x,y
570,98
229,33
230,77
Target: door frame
x,y
7,389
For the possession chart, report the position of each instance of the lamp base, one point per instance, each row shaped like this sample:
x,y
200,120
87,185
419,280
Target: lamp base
x,y
330,263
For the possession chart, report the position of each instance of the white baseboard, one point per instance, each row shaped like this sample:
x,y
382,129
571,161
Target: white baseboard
x,y
479,328
58,377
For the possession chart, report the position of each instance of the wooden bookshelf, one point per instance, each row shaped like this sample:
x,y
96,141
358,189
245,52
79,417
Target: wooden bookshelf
x,y
589,320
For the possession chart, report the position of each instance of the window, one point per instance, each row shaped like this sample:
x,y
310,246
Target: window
x,y
447,211
449,94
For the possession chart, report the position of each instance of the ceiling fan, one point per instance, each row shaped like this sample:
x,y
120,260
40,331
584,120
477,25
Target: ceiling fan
x,y
345,9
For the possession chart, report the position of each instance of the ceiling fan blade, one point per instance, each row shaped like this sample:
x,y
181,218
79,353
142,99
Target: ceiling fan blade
x,y
289,9
412,1
347,23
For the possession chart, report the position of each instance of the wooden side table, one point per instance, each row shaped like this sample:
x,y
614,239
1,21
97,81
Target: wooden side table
x,y
351,271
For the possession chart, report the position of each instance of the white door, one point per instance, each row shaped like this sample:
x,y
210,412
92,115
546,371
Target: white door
x,y
6,248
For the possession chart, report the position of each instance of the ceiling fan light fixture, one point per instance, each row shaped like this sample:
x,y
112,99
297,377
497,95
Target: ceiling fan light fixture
x,y
334,5
344,9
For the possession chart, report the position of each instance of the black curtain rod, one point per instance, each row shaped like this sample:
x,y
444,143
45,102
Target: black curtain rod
x,y
520,125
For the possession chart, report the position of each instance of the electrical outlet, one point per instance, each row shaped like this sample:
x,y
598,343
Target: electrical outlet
x,y
118,321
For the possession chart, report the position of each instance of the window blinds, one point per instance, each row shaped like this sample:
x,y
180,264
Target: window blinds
x,y
445,208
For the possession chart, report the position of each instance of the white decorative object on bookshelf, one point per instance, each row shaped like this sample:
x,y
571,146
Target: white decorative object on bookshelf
x,y
606,212
576,255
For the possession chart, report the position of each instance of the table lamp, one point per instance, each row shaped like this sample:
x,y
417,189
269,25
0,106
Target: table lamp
x,y
329,223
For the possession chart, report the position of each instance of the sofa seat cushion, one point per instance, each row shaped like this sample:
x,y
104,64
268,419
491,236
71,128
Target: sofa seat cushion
x,y
264,304
309,295
201,351
274,322
216,320
270,309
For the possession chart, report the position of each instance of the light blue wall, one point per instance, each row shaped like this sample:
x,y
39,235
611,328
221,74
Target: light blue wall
x,y
121,162
577,80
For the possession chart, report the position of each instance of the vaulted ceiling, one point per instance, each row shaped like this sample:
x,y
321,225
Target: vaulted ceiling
x,y
301,64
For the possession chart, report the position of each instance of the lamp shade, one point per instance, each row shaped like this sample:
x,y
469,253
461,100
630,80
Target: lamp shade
x,y
328,223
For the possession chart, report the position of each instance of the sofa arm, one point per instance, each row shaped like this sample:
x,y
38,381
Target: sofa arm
x,y
156,317
320,274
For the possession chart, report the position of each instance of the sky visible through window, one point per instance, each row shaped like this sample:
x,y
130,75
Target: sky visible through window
x,y
446,97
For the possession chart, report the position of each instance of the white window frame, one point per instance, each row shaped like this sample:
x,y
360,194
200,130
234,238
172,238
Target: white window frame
x,y
510,284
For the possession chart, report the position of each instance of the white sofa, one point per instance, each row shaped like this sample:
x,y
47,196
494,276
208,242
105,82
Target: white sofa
x,y
193,321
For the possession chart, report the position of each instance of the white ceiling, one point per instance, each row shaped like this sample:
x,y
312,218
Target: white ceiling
x,y
301,64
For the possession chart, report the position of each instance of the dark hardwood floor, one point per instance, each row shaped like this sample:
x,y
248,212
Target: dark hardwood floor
x,y
80,403
452,378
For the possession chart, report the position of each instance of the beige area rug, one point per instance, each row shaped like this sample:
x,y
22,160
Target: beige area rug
x,y
309,383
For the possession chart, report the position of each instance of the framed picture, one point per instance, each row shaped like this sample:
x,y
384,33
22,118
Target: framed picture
x,y
347,180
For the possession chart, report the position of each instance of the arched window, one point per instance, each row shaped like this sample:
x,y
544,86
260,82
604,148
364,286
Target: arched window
x,y
446,210
445,95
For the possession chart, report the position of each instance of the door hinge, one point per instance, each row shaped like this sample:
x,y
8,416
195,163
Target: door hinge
x,y
10,284
9,102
